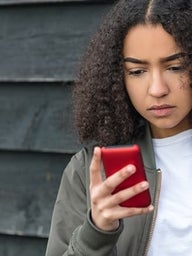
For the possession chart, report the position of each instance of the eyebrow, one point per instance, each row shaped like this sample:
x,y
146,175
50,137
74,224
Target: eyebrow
x,y
166,59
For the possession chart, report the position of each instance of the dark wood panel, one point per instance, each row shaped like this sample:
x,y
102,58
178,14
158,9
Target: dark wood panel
x,y
37,117
17,2
22,246
28,186
46,42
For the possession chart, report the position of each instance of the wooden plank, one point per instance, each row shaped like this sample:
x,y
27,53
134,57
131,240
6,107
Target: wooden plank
x,y
19,2
37,117
46,42
28,186
22,246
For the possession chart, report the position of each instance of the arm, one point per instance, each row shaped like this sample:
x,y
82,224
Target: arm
x,y
72,231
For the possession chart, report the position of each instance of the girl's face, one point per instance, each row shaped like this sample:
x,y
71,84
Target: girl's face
x,y
156,81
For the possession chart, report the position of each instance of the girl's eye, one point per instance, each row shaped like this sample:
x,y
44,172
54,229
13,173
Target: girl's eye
x,y
176,68
136,72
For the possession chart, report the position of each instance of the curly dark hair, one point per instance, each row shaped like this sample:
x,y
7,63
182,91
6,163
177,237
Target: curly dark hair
x,y
102,108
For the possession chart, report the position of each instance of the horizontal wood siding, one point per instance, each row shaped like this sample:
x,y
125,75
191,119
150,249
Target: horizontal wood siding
x,y
37,117
41,46
45,43
22,245
28,187
27,2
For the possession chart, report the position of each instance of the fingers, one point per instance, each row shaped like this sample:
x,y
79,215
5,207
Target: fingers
x,y
107,186
106,209
124,212
114,180
128,193
95,167
123,195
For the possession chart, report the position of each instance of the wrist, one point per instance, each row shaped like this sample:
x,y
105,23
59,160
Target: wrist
x,y
110,227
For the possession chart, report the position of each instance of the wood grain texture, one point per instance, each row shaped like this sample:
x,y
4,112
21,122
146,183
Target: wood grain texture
x,y
28,187
17,245
41,45
27,2
45,43
37,117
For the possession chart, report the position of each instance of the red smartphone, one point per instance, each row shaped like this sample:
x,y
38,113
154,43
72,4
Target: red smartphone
x,y
115,158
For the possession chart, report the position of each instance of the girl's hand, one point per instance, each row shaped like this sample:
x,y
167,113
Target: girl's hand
x,y
105,207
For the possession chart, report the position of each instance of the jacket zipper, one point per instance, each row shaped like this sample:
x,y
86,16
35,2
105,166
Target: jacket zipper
x,y
156,201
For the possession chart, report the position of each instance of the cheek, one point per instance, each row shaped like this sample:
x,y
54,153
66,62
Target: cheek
x,y
184,95
137,97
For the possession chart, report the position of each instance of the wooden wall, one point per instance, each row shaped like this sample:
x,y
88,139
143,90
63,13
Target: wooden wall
x,y
41,43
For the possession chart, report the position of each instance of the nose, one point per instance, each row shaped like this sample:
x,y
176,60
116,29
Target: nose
x,y
158,86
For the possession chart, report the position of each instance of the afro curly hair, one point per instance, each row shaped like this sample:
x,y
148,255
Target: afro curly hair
x,y
103,111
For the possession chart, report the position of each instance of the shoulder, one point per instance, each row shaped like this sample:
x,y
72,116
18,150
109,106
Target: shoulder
x,y
82,159
78,167
84,156
75,176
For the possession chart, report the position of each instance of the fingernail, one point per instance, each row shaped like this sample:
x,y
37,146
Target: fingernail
x,y
96,149
130,169
151,208
144,185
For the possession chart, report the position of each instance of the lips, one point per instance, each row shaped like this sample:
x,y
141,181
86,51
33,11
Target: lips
x,y
161,110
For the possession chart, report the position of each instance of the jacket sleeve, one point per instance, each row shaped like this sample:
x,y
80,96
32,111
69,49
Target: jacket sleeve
x,y
72,233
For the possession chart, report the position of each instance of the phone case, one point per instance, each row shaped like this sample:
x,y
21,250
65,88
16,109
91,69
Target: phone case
x,y
115,158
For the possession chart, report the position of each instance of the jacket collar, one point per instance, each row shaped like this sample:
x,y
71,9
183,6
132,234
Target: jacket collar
x,y
147,151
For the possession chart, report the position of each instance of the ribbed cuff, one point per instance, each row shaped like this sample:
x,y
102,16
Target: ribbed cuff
x,y
90,239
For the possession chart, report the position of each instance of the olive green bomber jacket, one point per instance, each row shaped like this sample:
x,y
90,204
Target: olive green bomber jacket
x,y
73,234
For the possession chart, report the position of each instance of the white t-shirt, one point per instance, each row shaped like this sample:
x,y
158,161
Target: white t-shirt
x,y
173,229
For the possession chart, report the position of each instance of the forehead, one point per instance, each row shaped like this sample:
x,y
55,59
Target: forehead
x,y
147,41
